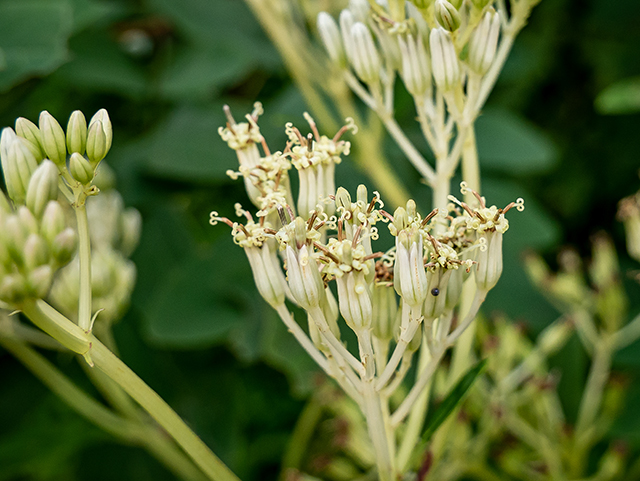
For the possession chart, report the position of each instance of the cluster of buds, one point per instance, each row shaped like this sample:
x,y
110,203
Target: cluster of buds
x,y
432,256
115,233
422,41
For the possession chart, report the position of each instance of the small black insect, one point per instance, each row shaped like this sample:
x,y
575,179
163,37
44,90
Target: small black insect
x,y
435,291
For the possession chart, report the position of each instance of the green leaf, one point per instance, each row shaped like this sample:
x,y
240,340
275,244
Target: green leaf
x,y
34,38
99,65
187,147
620,98
453,399
509,143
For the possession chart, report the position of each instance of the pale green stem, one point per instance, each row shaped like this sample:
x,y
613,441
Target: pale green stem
x,y
66,332
418,414
96,413
377,430
84,255
627,335
594,390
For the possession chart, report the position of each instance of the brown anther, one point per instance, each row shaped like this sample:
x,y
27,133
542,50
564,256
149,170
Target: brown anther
x,y
430,216
243,229
372,204
312,219
375,255
268,230
340,133
314,128
265,147
385,214
326,252
340,233
281,214
480,199
290,211
434,243
278,177
319,225
356,236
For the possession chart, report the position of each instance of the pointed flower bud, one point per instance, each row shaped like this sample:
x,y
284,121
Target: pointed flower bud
x,y
52,221
416,66
53,138
131,226
444,59
30,131
447,15
18,164
81,169
346,22
12,288
102,116
330,35
483,43
39,281
43,187
35,252
96,142
77,133
64,246
267,280
366,61
437,283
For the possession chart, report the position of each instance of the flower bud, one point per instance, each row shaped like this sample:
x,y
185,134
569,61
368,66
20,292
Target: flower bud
x,y
77,133
30,131
354,299
267,281
80,169
384,311
96,142
447,15
52,221
64,245
409,277
18,164
366,61
43,187
35,251
330,310
489,267
483,43
13,236
131,225
12,288
444,59
346,22
39,281
330,35
102,116
53,138
27,220
416,70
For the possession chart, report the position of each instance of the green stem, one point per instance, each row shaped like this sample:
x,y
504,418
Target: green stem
x,y
84,254
97,354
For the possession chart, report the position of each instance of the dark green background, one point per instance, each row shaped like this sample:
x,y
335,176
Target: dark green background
x,y
197,330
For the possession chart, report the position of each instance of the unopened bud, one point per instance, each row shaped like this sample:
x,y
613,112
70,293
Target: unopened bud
x,y
409,277
447,15
52,221
330,35
484,42
18,164
96,142
346,22
77,133
435,302
43,187
64,245
81,169
266,279
12,288
131,225
39,281
444,59
366,61
30,131
304,278
27,220
35,251
416,70
102,116
53,138
343,199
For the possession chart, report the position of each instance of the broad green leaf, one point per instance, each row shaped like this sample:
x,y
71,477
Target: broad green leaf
x,y
509,143
453,399
99,65
620,98
33,38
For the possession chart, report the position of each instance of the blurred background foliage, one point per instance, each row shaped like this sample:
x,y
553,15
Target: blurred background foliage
x,y
197,330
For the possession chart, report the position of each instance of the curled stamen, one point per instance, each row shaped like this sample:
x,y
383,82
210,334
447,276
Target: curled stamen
x,y
257,110
214,219
242,212
386,215
230,120
518,204
356,236
312,124
233,174
461,204
430,216
326,252
350,125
